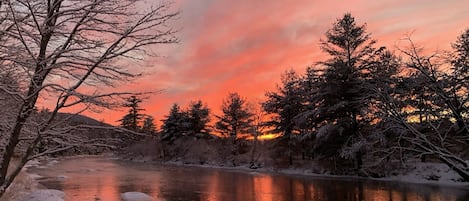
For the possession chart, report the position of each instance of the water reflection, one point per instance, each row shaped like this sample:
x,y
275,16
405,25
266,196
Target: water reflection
x,y
91,178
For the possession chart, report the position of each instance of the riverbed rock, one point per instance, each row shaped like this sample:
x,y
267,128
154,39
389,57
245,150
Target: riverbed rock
x,y
136,196
45,194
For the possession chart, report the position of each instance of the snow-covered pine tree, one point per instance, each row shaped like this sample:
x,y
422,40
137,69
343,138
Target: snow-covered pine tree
x,y
343,92
309,120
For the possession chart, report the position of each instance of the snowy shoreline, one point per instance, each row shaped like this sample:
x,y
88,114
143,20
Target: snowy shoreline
x,y
419,173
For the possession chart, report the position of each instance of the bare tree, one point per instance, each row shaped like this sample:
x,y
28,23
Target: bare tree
x,y
451,97
61,49
442,135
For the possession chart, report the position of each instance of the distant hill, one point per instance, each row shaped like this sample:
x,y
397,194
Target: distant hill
x,y
78,119
94,133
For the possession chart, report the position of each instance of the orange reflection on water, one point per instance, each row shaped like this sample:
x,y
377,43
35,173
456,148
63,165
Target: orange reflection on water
x,y
259,187
382,195
263,188
83,185
372,194
86,183
212,189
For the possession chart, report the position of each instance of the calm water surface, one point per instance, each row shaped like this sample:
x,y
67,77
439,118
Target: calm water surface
x,y
98,178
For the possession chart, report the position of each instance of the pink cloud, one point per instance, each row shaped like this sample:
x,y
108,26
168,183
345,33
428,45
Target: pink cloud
x,y
243,46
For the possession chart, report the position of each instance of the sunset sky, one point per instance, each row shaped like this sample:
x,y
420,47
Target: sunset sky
x,y
244,45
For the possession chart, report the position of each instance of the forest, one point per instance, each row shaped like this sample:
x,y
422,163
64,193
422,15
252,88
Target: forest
x,y
364,110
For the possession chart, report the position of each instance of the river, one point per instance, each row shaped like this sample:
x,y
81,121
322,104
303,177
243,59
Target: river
x,y
99,178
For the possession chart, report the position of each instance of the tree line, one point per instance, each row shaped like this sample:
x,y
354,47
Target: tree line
x,y
364,106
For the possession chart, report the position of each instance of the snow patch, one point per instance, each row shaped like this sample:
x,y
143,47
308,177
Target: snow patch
x,y
43,195
136,196
32,163
52,162
429,173
34,176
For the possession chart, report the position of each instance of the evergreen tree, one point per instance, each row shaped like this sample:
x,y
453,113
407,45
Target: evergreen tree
x,y
149,126
126,122
198,118
236,117
344,96
133,118
174,124
309,118
309,88
459,83
460,61
285,105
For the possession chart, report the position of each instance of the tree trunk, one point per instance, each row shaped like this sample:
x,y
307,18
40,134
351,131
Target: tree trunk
x,y
253,152
359,158
13,140
40,73
290,149
359,154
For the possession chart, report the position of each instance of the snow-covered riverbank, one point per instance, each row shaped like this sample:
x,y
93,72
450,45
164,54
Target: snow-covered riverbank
x,y
429,173
26,186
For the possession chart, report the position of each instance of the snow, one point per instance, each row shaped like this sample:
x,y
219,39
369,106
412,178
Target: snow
x,y
34,176
32,163
136,196
416,172
52,162
44,195
428,173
